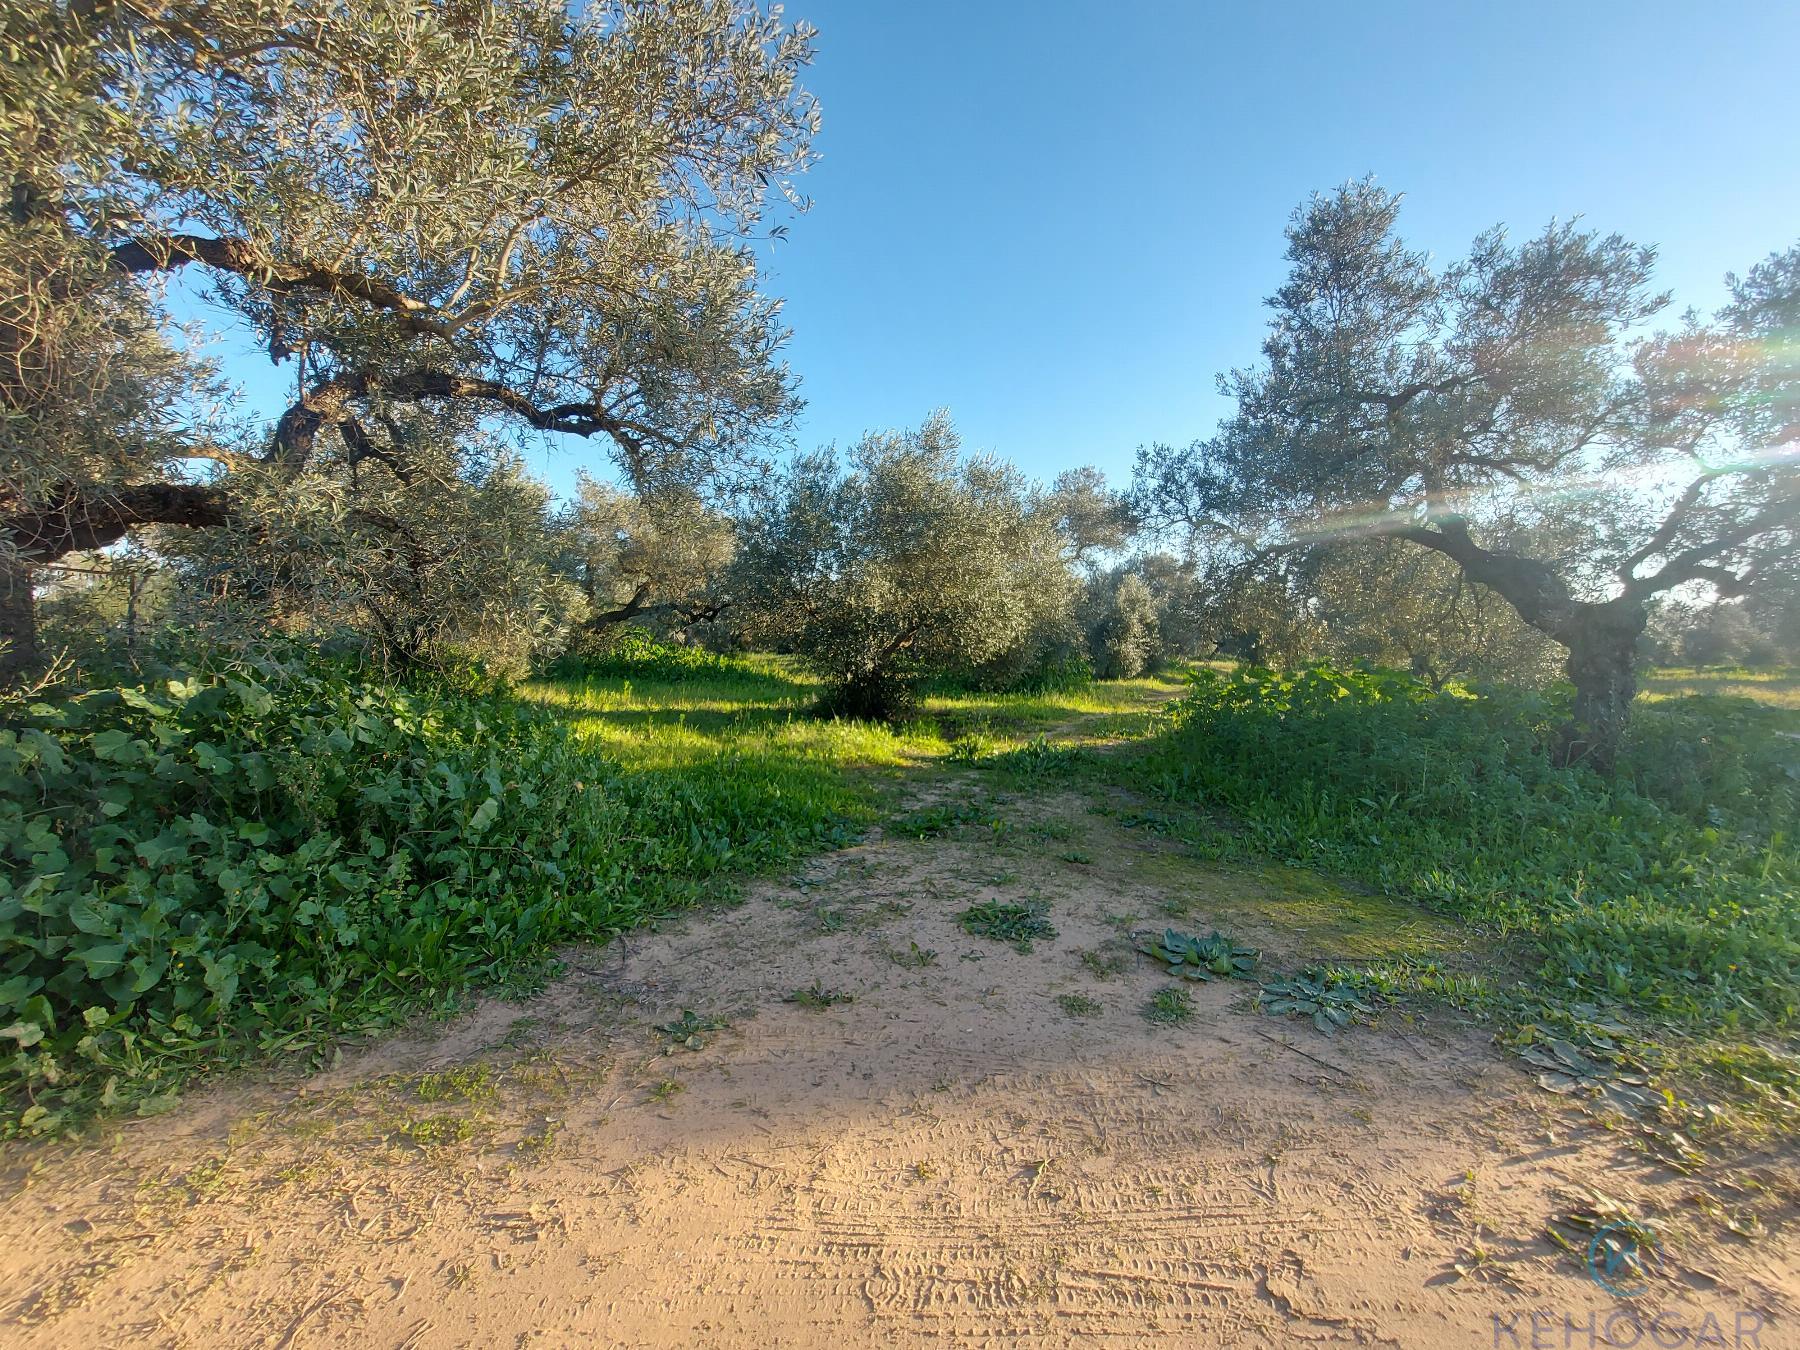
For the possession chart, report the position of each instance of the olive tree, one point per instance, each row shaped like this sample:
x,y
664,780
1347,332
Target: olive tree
x,y
1381,602
1773,606
1723,634
449,563
1123,638
661,558
1446,407
103,609
527,210
1178,589
897,562
1092,517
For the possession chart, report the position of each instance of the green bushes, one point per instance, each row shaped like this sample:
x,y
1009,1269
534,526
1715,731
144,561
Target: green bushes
x,y
1674,888
268,857
1050,670
1728,763
900,563
637,653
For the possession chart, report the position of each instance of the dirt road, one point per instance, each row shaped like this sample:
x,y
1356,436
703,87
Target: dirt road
x,y
979,1145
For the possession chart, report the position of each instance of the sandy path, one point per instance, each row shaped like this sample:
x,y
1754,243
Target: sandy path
x,y
950,1158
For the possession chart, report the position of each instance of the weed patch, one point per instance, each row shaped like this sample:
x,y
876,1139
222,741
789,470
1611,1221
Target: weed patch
x,y
933,822
1672,889
1169,1007
439,1131
1190,958
469,1083
1105,963
1328,1002
260,858
690,1029
816,998
1020,925
1078,1005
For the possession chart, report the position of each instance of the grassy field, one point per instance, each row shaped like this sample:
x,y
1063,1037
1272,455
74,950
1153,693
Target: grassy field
x,y
240,864
1444,801
757,708
1778,687
1668,890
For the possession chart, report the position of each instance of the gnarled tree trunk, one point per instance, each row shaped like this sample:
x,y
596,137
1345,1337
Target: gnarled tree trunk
x,y
1600,636
79,518
19,650
1603,666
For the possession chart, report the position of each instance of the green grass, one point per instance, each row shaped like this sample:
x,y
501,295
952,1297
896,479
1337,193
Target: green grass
x,y
1311,914
754,709
1168,1007
1671,891
758,707
1102,711
1020,925
1776,687
237,863
816,997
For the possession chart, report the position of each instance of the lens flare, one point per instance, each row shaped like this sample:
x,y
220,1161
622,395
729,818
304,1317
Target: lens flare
x,y
1653,481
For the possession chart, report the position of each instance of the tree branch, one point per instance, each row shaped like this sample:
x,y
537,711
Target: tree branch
x,y
630,609
1398,399
78,519
325,404
1698,563
636,607
1666,531
578,419
165,253
1533,588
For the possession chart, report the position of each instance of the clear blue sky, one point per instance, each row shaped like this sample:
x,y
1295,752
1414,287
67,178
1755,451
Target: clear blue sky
x,y
1059,220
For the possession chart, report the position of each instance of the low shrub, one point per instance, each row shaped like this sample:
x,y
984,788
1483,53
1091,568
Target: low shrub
x,y
269,856
1061,672
634,652
884,694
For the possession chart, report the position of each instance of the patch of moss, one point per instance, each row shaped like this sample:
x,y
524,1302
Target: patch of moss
x,y
1307,913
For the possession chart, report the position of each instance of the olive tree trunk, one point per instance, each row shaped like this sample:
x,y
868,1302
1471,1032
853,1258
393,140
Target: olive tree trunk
x,y
1603,667
19,649
1600,636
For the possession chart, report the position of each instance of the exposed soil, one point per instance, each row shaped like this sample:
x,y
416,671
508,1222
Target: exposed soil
x,y
965,1153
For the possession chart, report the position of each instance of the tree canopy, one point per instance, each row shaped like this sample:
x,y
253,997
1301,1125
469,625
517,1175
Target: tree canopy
x,y
664,557
1464,409
514,209
900,561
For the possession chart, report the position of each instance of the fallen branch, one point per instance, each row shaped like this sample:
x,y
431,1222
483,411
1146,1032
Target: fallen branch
x,y
1288,1045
